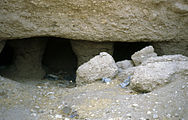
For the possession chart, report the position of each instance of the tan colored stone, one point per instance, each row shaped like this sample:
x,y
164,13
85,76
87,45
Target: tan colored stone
x,y
86,50
102,65
95,20
159,71
142,55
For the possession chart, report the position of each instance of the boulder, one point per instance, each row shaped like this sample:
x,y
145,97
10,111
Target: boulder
x,y
102,65
156,72
95,20
142,55
123,65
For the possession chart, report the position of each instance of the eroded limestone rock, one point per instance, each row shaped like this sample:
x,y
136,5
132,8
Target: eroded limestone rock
x,y
156,72
95,20
86,50
142,55
159,71
102,65
28,58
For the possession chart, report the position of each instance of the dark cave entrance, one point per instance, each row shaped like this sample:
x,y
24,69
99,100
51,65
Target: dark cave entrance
x,y
59,58
124,50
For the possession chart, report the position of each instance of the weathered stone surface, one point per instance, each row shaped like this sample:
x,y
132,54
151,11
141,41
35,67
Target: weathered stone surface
x,y
124,74
169,48
86,50
123,65
102,65
158,71
142,55
165,58
95,20
27,63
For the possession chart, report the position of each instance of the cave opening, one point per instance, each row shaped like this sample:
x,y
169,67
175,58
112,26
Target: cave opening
x,y
124,50
59,59
27,58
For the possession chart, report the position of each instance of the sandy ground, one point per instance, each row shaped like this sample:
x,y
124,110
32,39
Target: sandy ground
x,y
50,100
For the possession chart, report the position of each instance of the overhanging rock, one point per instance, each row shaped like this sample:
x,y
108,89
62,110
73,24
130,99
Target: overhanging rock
x,y
95,20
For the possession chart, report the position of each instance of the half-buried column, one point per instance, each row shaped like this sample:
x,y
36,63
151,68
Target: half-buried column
x,y
85,50
28,58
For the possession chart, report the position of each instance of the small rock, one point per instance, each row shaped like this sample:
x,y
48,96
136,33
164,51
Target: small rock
x,y
183,86
168,115
106,80
57,116
33,114
129,115
67,110
148,112
155,116
125,83
176,115
37,107
123,65
50,93
135,105
66,119
142,118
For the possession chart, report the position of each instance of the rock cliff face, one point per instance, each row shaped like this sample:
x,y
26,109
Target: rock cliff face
x,y
95,20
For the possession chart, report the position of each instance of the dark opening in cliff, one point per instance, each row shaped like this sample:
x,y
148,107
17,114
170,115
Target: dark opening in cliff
x,y
60,59
30,57
124,50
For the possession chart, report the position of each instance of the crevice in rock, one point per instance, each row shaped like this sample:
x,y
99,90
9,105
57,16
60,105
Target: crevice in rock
x,y
124,50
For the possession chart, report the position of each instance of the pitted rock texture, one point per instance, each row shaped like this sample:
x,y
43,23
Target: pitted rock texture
x,y
102,65
95,20
142,55
85,50
156,72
